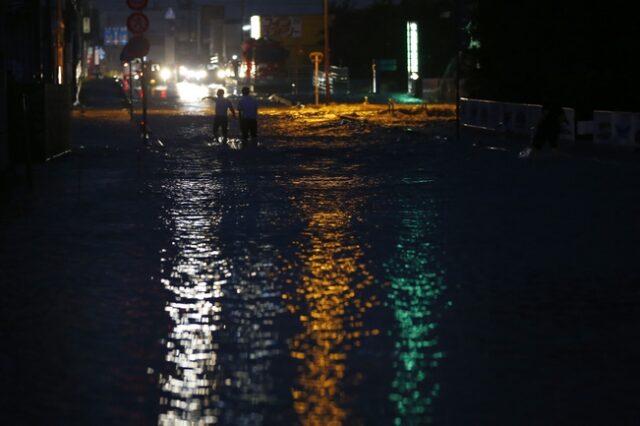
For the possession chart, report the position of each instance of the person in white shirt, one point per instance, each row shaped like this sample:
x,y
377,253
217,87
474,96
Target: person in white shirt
x,y
248,112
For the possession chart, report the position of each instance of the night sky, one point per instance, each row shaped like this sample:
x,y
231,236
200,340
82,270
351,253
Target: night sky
x,y
276,7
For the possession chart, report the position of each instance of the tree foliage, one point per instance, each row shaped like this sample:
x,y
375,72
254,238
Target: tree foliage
x,y
582,54
359,36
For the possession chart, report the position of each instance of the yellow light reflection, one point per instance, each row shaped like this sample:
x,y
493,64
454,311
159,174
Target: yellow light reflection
x,y
329,306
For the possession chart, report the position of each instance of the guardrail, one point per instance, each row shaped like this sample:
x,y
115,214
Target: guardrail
x,y
510,117
607,127
615,128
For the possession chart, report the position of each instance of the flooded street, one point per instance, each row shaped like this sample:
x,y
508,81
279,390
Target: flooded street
x,y
343,273
298,292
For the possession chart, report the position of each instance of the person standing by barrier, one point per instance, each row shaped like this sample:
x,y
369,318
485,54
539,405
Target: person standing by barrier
x,y
548,128
220,118
248,112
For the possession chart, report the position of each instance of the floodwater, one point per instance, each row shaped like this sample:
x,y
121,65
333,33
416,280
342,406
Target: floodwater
x,y
340,274
298,293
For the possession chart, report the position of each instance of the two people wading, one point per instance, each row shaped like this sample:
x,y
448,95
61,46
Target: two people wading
x,y
247,113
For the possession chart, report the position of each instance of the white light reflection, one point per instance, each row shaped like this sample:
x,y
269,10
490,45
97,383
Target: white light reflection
x,y
196,275
192,92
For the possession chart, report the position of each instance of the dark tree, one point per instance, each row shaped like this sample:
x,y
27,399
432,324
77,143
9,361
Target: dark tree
x,y
360,35
379,32
581,54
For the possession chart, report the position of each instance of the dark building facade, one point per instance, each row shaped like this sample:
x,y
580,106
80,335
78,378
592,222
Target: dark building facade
x,y
41,50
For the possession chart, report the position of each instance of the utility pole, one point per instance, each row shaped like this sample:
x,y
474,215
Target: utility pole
x,y
241,21
131,88
316,57
145,79
327,80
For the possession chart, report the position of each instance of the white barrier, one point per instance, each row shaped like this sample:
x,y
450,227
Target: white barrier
x,y
616,128
479,113
509,117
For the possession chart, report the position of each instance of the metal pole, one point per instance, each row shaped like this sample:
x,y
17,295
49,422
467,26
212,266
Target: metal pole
x,y
317,82
458,41
327,80
27,145
131,88
241,21
145,135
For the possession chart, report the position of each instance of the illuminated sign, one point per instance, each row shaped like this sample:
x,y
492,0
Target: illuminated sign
x,y
412,50
256,30
116,36
86,25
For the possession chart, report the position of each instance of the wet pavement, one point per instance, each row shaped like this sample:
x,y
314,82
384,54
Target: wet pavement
x,y
341,273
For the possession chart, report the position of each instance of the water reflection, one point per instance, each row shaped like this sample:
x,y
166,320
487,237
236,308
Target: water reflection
x,y
222,298
417,286
328,302
196,276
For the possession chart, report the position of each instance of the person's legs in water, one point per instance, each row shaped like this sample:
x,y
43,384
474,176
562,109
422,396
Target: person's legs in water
x,y
253,130
553,141
225,129
216,125
244,128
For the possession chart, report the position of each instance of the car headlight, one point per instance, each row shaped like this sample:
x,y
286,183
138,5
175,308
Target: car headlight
x,y
165,74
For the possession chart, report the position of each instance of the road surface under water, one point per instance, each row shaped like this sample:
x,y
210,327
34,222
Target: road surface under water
x,y
341,273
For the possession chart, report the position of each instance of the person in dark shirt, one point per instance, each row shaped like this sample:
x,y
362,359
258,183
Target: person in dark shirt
x,y
549,126
221,119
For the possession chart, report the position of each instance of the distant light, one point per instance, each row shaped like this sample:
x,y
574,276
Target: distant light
x,y
234,57
165,74
256,30
192,92
246,27
86,25
221,73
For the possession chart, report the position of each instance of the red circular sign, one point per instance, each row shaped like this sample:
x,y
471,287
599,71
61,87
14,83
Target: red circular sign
x,y
137,47
137,4
138,22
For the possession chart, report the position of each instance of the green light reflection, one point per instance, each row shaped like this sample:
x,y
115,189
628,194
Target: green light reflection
x,y
417,286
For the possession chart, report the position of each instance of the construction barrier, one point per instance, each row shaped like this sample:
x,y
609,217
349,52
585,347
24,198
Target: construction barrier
x,y
616,128
509,117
